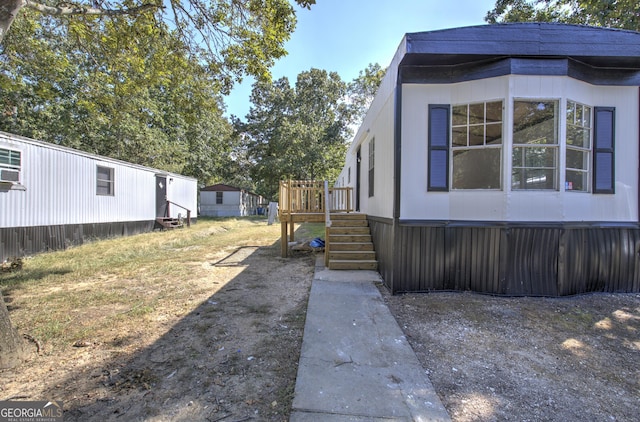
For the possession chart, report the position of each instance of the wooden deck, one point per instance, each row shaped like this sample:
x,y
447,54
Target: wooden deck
x,y
304,201
309,201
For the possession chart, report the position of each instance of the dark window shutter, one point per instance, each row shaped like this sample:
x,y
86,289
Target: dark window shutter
x,y
438,160
603,150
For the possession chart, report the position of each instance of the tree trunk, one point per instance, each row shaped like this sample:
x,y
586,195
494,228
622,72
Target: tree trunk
x,y
8,11
12,348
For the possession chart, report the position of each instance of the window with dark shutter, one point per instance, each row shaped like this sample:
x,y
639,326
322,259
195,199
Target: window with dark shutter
x,y
603,150
372,161
438,159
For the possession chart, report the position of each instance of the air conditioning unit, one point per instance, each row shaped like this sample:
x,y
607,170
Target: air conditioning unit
x,y
11,176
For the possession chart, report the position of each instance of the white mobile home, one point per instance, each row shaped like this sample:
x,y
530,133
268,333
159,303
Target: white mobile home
x,y
222,200
504,159
53,196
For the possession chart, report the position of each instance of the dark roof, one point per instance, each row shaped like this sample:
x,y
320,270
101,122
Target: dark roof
x,y
589,52
220,187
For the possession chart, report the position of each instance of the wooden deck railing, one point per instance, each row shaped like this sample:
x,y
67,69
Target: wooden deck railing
x,y
308,197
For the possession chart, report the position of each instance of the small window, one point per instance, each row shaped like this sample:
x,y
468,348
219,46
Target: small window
x,y
219,197
105,181
578,147
10,165
349,175
535,145
372,159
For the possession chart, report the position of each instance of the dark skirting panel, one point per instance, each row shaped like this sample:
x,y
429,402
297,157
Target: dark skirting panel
x,y
24,241
382,235
506,258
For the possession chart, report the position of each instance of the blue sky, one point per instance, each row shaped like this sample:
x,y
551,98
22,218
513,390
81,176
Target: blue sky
x,y
346,35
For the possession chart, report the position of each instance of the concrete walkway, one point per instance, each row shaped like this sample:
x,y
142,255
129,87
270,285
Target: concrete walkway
x,y
356,364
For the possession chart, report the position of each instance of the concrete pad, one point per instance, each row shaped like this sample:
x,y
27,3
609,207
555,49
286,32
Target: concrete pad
x,y
348,275
355,363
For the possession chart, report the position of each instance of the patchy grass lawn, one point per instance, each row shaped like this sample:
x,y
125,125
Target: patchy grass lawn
x,y
193,323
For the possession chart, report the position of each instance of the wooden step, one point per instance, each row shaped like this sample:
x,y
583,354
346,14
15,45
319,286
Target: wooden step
x,y
169,222
352,255
344,238
349,223
353,265
349,230
351,246
348,216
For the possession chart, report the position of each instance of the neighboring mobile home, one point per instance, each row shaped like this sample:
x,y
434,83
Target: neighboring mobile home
x,y
228,201
504,159
52,196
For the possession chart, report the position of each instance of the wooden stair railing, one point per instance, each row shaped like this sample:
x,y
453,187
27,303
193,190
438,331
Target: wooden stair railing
x,y
171,222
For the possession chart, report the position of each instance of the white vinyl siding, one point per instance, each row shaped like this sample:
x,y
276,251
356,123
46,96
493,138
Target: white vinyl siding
x,y
61,188
615,198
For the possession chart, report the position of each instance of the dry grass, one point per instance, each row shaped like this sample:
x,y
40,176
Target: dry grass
x,y
77,294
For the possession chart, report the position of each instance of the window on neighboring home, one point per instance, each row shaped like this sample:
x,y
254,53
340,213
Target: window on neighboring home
x,y
578,161
535,145
476,145
372,157
105,181
10,165
349,175
219,197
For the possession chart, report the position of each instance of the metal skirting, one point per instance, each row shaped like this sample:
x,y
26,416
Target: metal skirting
x,y
24,241
507,259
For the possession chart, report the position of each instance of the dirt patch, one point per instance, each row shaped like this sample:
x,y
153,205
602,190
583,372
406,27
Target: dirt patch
x,y
227,350
527,359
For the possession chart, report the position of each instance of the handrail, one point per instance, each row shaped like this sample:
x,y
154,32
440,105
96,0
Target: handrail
x,y
327,208
184,208
327,223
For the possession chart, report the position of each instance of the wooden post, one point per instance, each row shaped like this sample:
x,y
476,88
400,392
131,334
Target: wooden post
x,y
291,232
284,247
327,246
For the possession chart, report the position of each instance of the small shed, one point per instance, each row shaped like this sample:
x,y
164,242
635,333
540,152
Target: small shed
x,y
52,196
504,159
222,200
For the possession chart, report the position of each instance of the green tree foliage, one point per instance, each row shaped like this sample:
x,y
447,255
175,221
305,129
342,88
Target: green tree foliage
x,y
91,85
363,89
234,38
298,132
623,14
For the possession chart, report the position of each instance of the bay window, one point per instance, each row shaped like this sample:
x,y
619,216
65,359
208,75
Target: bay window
x,y
535,145
578,160
476,143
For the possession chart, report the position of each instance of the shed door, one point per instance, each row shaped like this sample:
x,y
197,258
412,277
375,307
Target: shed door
x,y
161,196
